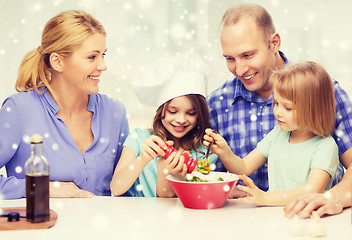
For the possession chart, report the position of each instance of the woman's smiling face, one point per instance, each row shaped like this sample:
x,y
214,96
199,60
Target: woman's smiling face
x,y
83,68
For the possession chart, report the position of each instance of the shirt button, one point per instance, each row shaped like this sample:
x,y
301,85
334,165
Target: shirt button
x,y
266,165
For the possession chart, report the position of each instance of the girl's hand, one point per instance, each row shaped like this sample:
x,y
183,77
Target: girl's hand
x,y
219,146
237,193
176,164
67,190
254,194
152,147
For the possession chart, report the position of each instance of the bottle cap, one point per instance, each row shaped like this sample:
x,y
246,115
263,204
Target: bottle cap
x,y
13,217
36,138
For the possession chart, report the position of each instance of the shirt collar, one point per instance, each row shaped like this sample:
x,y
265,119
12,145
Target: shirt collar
x,y
287,62
241,91
55,108
49,99
92,102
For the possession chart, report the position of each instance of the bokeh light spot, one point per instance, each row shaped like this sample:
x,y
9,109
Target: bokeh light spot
x,y
226,188
18,169
55,146
139,187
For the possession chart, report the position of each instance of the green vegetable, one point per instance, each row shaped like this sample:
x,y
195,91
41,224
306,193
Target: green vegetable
x,y
196,179
204,166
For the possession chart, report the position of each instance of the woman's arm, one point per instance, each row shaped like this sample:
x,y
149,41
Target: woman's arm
x,y
11,133
316,183
67,190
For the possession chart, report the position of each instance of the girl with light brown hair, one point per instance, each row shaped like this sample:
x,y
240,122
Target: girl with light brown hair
x,y
301,155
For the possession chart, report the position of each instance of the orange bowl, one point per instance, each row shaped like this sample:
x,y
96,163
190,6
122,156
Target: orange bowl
x,y
203,195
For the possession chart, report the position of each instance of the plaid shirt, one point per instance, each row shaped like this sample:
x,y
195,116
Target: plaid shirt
x,y
243,118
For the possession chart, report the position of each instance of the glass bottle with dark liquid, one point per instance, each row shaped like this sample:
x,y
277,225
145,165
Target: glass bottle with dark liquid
x,y
37,183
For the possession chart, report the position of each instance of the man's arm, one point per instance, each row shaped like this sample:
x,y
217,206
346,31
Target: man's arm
x,y
332,202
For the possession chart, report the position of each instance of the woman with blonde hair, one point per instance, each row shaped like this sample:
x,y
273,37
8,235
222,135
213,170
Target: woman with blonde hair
x,y
59,99
302,156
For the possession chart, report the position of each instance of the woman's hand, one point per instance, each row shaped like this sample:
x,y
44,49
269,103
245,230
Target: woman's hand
x,y
303,206
254,194
152,147
67,190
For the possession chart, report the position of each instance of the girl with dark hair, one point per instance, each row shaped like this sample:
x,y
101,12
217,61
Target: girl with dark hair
x,y
176,86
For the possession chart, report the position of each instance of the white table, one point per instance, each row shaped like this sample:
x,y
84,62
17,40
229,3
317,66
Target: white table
x,y
158,218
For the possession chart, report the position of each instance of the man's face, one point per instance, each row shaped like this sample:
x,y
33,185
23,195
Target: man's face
x,y
249,56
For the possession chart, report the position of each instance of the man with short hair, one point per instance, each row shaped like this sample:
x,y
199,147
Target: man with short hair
x,y
241,109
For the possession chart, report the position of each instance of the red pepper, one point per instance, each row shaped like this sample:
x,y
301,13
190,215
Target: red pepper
x,y
187,159
190,162
192,166
169,150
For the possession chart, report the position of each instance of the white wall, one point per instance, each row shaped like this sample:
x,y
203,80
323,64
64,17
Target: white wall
x,y
140,31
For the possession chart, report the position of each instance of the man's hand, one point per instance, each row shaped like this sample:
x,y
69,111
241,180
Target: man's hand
x,y
304,206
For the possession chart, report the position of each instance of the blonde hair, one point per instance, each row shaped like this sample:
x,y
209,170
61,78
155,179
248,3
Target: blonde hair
x,y
61,35
259,15
310,88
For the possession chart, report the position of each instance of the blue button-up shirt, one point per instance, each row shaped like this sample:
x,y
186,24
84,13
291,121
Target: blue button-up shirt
x,y
243,118
27,113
